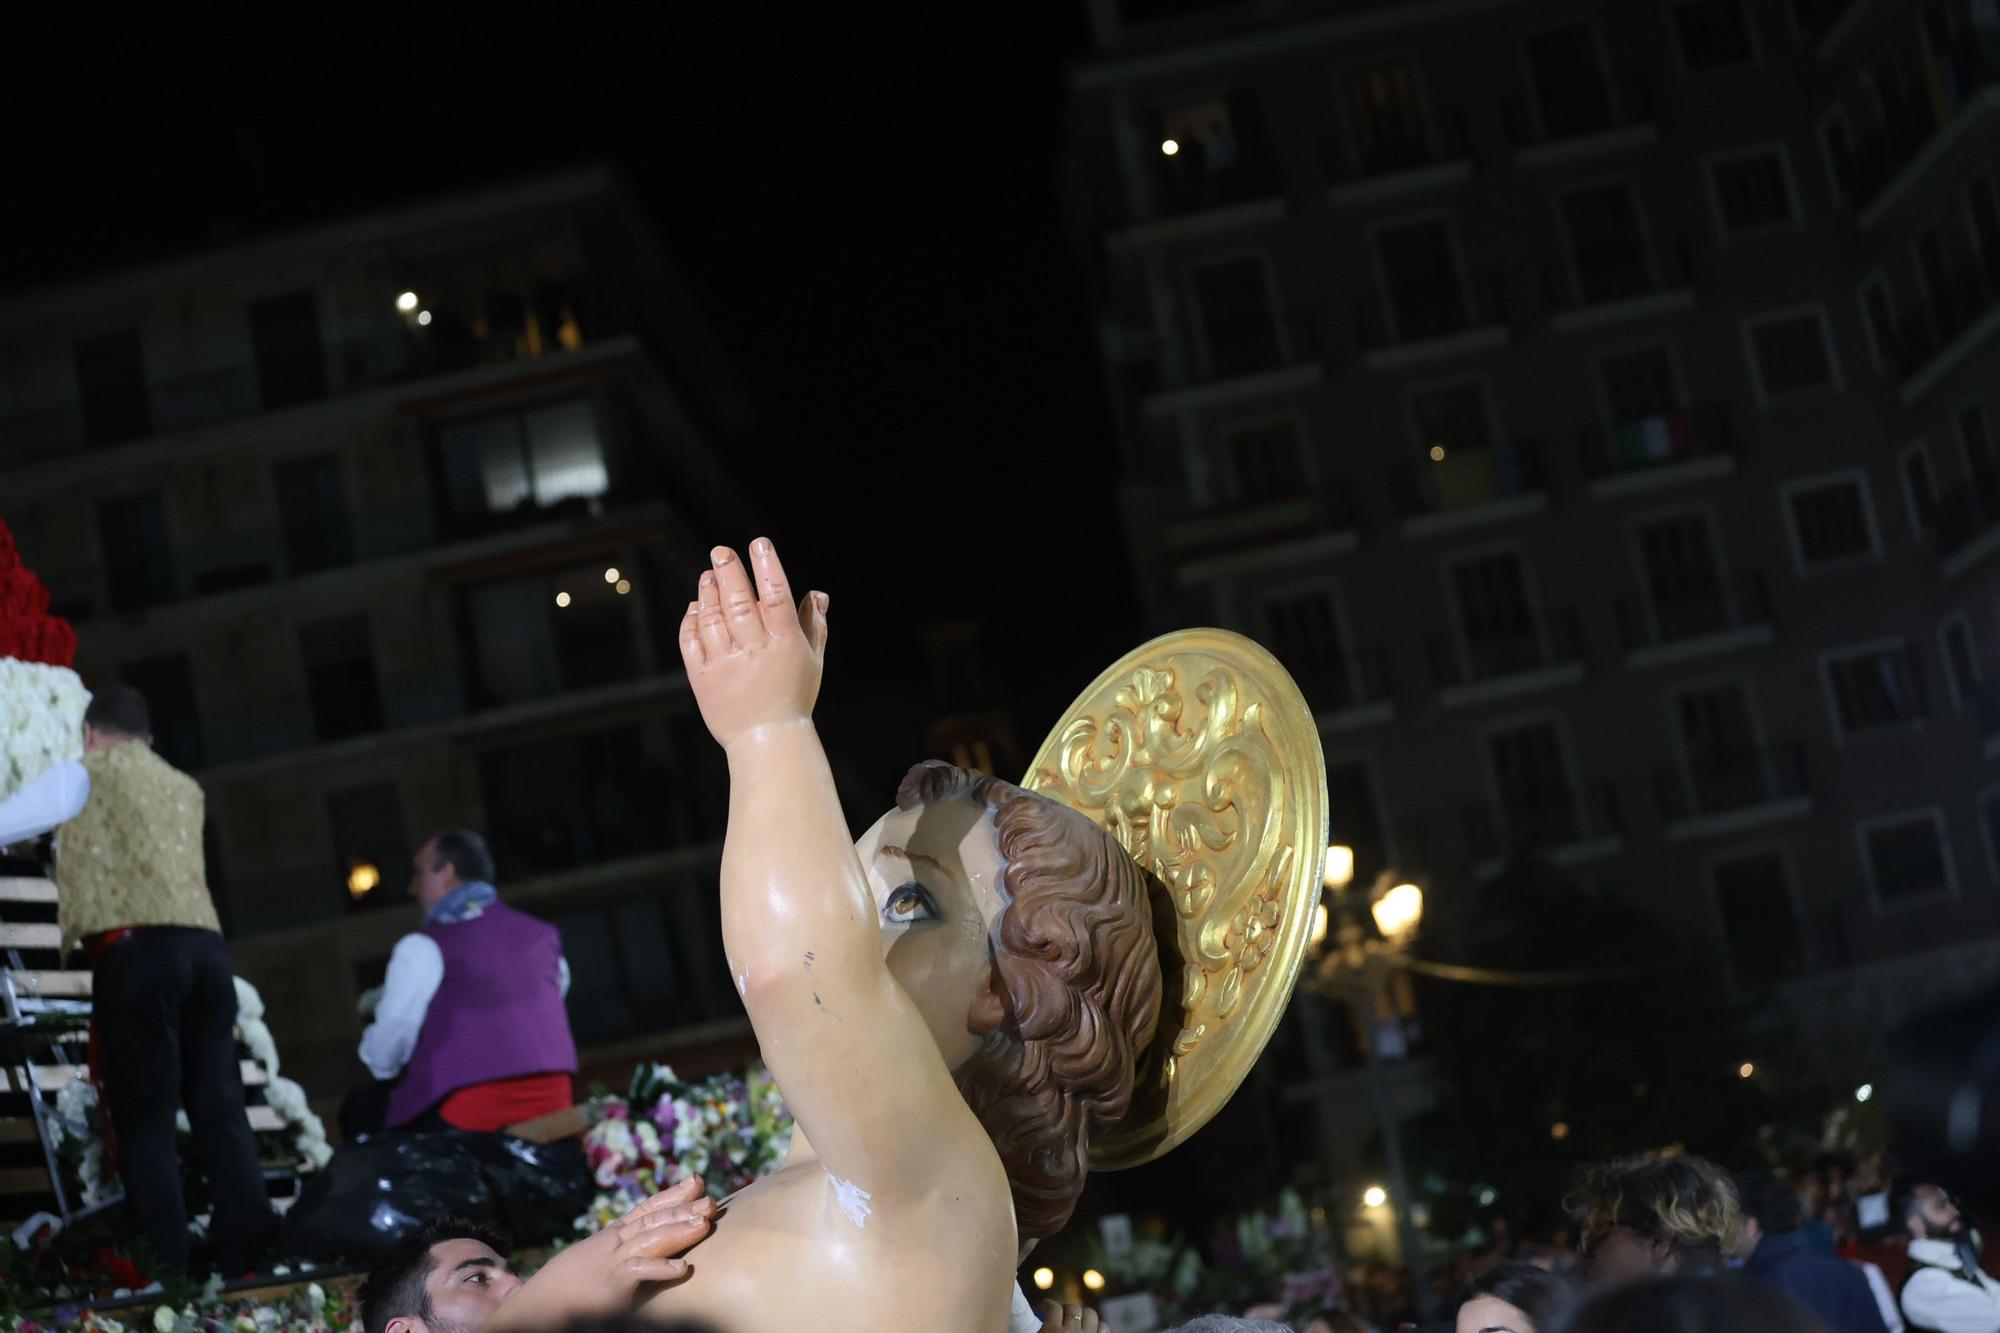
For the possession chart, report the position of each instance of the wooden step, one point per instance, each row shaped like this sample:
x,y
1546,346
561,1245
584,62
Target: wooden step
x,y
30,936
14,890
73,985
24,1180
18,1130
54,1078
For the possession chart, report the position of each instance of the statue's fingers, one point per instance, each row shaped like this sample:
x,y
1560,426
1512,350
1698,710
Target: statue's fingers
x,y
693,655
683,1191
644,1269
774,590
812,619
715,640
667,1237
739,599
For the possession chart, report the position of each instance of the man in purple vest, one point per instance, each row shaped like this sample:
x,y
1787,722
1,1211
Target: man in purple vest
x,y
471,1021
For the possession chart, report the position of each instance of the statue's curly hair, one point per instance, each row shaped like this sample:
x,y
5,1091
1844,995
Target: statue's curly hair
x,y
1683,1201
1078,970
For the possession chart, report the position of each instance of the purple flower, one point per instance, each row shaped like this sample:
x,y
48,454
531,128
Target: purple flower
x,y
615,1110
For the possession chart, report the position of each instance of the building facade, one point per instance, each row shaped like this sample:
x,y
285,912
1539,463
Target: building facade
x,y
1597,407
392,521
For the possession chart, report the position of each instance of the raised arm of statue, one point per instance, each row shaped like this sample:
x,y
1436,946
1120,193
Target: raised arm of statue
x,y
801,923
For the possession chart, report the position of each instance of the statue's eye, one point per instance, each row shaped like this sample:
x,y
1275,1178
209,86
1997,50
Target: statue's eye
x,y
910,903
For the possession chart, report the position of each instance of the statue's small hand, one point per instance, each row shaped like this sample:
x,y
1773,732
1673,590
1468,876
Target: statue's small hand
x,y
601,1276
751,657
1058,1318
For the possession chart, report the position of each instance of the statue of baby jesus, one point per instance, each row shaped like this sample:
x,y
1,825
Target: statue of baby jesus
x,y
952,1005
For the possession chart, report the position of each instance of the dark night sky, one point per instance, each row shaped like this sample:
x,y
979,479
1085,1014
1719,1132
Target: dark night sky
x,y
868,215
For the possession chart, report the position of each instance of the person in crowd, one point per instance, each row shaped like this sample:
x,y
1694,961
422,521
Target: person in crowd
x,y
132,889
1645,1216
452,1276
1946,1291
1780,1257
1513,1298
471,1022
1690,1303
1060,1318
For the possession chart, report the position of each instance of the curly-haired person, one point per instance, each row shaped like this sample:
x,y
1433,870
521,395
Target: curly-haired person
x,y
1655,1215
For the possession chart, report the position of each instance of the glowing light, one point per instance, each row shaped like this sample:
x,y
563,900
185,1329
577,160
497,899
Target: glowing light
x,y
362,879
1559,1131
423,317
1864,1092
1745,1070
1374,1196
1487,1196
1044,1278
1170,146
1437,453
1319,925
406,302
1093,1279
562,599
611,576
624,586
1339,866
1398,911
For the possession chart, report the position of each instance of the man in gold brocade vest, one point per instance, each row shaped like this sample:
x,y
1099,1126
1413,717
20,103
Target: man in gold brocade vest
x,y
132,890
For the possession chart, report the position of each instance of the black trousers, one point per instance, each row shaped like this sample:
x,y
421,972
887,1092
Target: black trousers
x,y
164,1002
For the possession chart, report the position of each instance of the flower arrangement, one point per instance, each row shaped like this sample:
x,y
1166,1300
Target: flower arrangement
x,y
41,699
309,1309
727,1128
1285,1257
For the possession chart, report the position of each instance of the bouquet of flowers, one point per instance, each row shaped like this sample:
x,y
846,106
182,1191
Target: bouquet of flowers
x,y
310,1309
727,1128
41,699
1284,1256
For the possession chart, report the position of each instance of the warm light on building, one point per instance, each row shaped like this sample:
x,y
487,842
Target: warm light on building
x,y
1864,1092
1339,867
1559,1131
1320,923
1374,1196
562,599
1398,911
1044,1278
624,586
1093,1279
1170,147
611,576
423,317
406,302
1437,453
1745,1070
362,879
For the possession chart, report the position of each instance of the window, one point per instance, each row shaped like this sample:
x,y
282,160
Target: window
x,y
1607,248
1531,775
1356,818
1719,747
1792,355
1713,35
539,636
1919,488
1880,314
1976,446
1639,383
1453,416
1683,577
291,363
1496,615
314,514
1831,521
1759,922
1982,205
339,658
1385,105
1936,276
138,563
1239,321
1420,268
1961,663
1753,191
1838,141
1875,687
368,832
1906,857
1989,822
1264,463
1568,77
525,461
167,684
111,388
1302,630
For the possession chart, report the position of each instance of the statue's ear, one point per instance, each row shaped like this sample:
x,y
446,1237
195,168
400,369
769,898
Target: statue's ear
x,y
988,1010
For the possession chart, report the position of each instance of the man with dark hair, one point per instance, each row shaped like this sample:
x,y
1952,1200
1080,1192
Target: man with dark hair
x,y
133,891
471,1023
1654,1215
1833,1289
1946,1290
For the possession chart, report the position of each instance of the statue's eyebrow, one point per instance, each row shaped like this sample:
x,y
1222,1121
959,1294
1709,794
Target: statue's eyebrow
x,y
917,858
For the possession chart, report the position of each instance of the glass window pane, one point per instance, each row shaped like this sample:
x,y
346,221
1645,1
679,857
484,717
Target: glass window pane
x,y
566,453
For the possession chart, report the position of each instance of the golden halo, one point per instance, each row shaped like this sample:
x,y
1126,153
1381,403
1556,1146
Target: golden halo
x,y
1199,754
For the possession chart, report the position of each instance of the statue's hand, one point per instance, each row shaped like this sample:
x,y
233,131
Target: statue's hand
x,y
751,656
600,1277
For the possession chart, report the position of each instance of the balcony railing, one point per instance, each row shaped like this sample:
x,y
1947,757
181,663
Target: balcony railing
x,y
1969,292
1950,80
1592,106
1198,176
1592,278
1720,784
1520,823
1344,161
1657,441
1694,613
1466,478
1442,307
1966,511
1263,517
1231,351
1460,660
1987,705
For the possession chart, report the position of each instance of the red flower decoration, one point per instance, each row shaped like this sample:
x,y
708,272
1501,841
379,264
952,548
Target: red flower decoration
x,y
27,630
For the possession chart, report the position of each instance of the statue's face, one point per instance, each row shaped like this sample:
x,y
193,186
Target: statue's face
x,y
936,876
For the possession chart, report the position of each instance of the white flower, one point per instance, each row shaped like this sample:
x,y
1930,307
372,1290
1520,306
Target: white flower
x,y
316,1295
164,1319
41,720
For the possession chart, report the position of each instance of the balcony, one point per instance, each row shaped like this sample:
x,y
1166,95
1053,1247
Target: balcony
x,y
1733,793
1240,362
1567,826
1960,80
1368,173
1968,522
1580,121
1931,339
1227,173
1472,668
1694,444
1280,528
1467,487
1697,622
1350,697
1590,289
1437,316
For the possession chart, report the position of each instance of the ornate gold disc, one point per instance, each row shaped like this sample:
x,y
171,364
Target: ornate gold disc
x,y
1200,755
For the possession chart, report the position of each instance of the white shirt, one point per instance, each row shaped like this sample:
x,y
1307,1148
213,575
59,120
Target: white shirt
x,y
416,970
1885,1299
1934,1297
55,797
